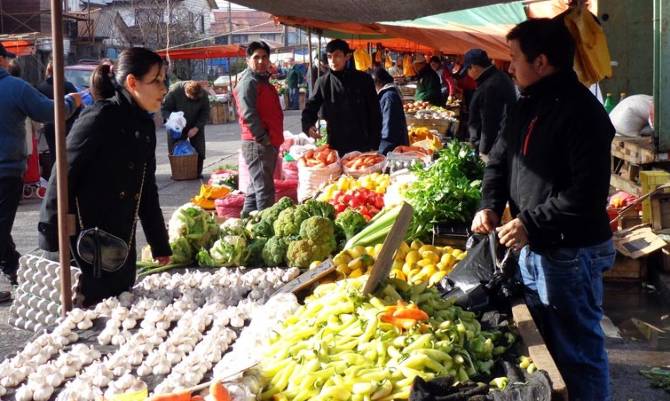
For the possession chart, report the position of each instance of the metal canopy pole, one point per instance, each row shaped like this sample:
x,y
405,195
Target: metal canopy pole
x,y
64,218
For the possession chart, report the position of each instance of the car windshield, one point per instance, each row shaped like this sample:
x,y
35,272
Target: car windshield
x,y
79,78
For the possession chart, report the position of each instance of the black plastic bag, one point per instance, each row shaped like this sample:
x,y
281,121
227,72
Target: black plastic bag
x,y
482,279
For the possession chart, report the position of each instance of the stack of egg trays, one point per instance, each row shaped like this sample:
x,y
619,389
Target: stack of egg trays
x,y
37,303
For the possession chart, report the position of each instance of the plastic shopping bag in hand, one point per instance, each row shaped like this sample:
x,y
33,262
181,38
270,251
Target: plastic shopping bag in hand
x,y
175,124
183,148
482,277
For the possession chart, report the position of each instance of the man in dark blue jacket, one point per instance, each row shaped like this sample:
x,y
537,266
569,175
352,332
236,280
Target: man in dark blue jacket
x,y
394,125
552,165
19,100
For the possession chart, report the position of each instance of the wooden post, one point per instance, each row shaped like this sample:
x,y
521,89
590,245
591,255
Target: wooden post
x,y
64,218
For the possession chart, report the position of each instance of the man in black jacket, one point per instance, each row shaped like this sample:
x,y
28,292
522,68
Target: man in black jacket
x,y
348,102
494,95
552,164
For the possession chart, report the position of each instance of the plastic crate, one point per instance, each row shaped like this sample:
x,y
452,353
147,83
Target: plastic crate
x,y
649,181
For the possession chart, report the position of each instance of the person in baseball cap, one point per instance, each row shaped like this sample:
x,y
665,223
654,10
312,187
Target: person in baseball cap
x,y
494,96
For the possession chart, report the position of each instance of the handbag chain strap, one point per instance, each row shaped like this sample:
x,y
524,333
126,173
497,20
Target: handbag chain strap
x,y
135,215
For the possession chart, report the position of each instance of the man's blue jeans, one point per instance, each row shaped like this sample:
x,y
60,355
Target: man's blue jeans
x,y
293,98
564,292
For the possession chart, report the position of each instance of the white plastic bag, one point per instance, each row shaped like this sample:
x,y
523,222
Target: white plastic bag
x,y
176,121
311,179
631,115
375,168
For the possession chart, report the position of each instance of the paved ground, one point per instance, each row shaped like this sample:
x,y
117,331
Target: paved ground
x,y
627,355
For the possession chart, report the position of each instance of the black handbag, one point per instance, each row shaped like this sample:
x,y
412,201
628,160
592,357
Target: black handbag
x,y
102,250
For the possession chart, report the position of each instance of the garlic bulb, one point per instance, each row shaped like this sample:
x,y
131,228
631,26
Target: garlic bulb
x,y
144,370
162,368
85,324
43,393
24,393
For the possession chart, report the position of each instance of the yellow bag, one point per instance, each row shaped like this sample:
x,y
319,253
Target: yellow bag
x,y
408,66
362,60
592,56
388,63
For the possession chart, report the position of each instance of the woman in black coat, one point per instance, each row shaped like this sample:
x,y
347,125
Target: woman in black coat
x,y
394,124
111,158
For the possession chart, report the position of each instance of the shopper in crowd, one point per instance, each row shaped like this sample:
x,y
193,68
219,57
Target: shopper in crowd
x,y
193,100
262,124
25,102
395,70
293,81
111,155
428,87
394,125
446,81
493,98
49,131
552,164
348,101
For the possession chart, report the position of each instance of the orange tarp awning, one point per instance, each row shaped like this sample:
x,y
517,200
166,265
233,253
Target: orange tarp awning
x,y
206,52
19,47
455,41
396,45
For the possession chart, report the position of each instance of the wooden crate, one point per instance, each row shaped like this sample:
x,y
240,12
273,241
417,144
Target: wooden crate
x,y
623,184
634,150
660,211
626,269
625,169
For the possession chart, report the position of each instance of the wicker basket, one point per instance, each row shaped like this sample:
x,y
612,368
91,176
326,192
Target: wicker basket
x,y
442,126
184,167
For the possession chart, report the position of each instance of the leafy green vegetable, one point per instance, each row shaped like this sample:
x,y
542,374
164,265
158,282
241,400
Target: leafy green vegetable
x,y
181,251
289,220
232,227
195,224
351,222
321,209
302,252
253,256
317,229
447,191
229,251
274,252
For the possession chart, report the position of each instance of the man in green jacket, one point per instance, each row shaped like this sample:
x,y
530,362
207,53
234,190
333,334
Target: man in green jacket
x,y
428,88
192,99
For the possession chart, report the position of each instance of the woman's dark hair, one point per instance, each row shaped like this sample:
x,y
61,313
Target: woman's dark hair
x,y
253,46
137,61
381,76
545,36
338,44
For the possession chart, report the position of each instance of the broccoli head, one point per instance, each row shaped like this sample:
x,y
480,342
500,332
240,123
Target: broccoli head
x,y
317,229
321,209
303,252
273,211
274,251
262,229
289,220
253,256
351,222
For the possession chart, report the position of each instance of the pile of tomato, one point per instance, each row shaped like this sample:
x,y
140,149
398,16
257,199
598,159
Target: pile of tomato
x,y
366,202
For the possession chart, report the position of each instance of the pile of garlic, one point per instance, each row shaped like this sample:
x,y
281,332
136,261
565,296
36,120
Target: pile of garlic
x,y
187,322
